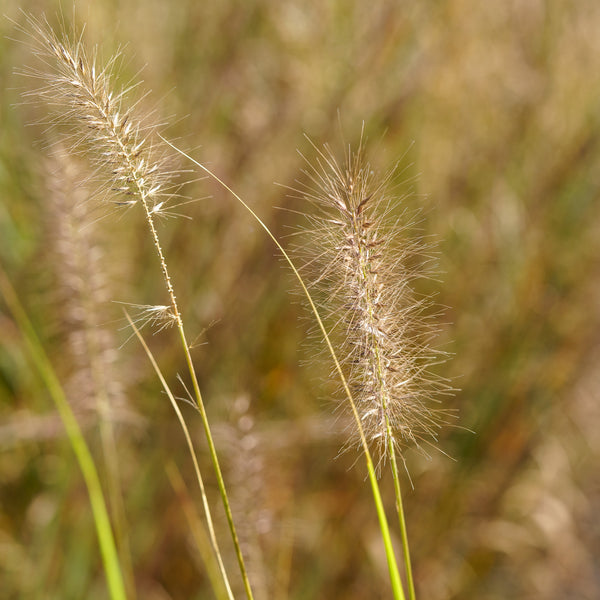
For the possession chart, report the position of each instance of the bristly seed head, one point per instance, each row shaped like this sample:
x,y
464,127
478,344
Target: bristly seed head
x,y
107,132
361,259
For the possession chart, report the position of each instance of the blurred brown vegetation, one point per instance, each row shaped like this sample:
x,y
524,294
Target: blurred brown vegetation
x,y
495,108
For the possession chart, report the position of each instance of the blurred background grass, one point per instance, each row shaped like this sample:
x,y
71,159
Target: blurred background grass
x,y
495,107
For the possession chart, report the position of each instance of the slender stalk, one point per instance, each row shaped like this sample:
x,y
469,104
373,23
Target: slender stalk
x,y
215,461
201,537
143,195
115,492
188,439
197,395
383,524
83,455
402,521
117,143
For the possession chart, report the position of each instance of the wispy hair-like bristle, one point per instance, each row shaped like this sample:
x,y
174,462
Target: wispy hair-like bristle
x,y
98,120
362,259
131,160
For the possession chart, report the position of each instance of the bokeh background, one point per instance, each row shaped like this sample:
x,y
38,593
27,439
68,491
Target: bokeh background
x,y
494,110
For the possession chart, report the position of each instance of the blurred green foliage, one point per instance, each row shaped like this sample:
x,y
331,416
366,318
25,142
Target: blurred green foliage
x,y
494,108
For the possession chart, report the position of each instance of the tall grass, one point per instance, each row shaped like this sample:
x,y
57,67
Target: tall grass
x,y
77,441
369,318
362,259
83,291
131,169
500,99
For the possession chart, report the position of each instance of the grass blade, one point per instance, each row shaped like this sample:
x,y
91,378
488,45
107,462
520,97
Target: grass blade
x,y
82,452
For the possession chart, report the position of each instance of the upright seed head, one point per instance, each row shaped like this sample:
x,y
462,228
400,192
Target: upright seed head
x,y
362,259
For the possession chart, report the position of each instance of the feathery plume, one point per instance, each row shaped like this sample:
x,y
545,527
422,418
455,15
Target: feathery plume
x,y
362,260
84,98
247,474
83,282
82,278
131,165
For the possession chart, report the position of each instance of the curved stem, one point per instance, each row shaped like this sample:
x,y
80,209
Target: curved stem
x,y
215,461
188,439
82,452
383,524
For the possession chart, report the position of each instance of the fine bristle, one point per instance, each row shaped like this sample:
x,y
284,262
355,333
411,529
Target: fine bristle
x,y
361,258
99,120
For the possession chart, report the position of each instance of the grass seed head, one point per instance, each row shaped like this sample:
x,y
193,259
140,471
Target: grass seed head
x,y
362,259
99,122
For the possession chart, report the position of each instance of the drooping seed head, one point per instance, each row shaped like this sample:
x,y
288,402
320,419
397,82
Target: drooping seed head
x,y
98,122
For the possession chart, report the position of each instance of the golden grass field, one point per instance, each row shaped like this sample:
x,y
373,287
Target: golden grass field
x,y
492,110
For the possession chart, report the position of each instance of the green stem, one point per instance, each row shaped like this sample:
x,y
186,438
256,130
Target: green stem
x,y
197,394
83,455
385,534
215,461
401,519
383,524
188,439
